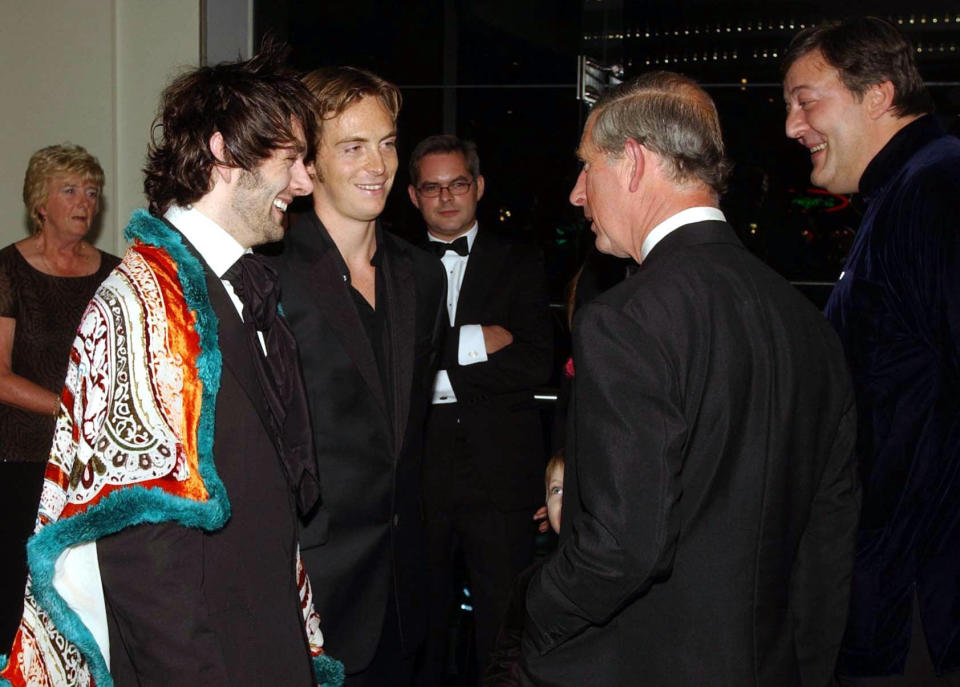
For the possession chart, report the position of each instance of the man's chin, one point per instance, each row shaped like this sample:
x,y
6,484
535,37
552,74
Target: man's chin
x,y
602,244
274,232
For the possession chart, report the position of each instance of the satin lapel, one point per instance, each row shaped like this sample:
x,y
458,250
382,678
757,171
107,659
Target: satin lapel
x,y
481,266
401,309
234,342
335,302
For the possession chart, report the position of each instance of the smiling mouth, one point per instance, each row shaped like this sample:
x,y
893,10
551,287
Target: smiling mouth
x,y
818,148
370,187
280,205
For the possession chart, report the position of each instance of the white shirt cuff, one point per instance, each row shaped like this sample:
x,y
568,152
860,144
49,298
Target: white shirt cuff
x,y
442,389
472,348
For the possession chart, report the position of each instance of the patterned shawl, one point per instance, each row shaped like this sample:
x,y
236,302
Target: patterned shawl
x,y
133,445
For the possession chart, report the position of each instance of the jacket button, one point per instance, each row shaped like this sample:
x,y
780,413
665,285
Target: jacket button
x,y
396,520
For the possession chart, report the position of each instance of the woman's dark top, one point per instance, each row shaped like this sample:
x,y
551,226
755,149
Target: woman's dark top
x,y
47,310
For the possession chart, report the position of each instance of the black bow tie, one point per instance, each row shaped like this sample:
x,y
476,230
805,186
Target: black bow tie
x,y
257,286
459,246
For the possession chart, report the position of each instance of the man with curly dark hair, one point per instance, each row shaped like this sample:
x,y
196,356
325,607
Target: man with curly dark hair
x,y
166,551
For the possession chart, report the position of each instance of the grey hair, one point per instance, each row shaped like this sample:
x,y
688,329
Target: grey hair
x,y
671,115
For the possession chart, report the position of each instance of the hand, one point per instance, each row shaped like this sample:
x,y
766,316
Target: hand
x,y
495,337
541,515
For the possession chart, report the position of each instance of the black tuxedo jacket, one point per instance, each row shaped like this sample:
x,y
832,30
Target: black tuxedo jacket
x,y
710,498
221,608
368,536
504,285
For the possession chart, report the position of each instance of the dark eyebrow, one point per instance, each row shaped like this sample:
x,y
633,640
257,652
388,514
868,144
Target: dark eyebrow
x,y
462,177
297,147
352,139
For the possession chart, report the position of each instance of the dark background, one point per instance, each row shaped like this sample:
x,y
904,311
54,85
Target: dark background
x,y
505,75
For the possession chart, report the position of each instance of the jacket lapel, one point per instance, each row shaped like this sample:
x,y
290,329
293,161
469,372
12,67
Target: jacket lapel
x,y
235,344
481,265
321,275
236,347
401,305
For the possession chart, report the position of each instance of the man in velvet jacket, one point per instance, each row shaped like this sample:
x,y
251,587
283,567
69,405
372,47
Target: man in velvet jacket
x,y
857,102
710,496
484,453
366,308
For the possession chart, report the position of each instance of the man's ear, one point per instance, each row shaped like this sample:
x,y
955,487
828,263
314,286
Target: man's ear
x,y
880,99
481,185
635,161
218,149
413,196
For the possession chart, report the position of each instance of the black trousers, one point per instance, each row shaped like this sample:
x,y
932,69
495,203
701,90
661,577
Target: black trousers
x,y
20,486
496,546
390,664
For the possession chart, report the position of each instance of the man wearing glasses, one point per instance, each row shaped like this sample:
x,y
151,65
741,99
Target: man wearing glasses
x,y
484,454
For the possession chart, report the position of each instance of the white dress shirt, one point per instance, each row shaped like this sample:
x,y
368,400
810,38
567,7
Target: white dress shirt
x,y
217,247
688,216
471,348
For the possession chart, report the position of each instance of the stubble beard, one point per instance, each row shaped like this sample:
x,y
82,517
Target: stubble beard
x,y
254,208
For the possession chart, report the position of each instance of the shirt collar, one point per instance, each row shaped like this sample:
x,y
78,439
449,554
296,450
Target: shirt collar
x,y
471,235
894,155
218,248
688,216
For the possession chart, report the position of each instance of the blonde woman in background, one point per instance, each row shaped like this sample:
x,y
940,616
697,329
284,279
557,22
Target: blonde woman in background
x,y
46,281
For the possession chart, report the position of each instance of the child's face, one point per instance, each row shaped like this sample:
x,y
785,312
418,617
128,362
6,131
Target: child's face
x,y
555,497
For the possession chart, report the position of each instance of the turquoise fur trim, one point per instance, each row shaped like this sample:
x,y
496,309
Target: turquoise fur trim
x,y
138,505
149,230
328,671
3,666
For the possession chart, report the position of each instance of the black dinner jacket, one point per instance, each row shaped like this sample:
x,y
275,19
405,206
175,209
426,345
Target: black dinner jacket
x,y
369,535
504,284
710,497
189,607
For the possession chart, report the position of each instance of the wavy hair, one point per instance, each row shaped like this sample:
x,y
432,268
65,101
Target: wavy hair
x,y
253,104
56,160
334,89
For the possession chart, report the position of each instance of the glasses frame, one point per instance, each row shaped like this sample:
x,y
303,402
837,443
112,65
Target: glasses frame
x,y
446,187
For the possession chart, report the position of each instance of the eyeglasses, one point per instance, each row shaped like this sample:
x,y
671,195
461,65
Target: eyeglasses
x,y
456,188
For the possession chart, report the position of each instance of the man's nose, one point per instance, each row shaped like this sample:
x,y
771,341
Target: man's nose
x,y
578,196
795,124
375,162
300,182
